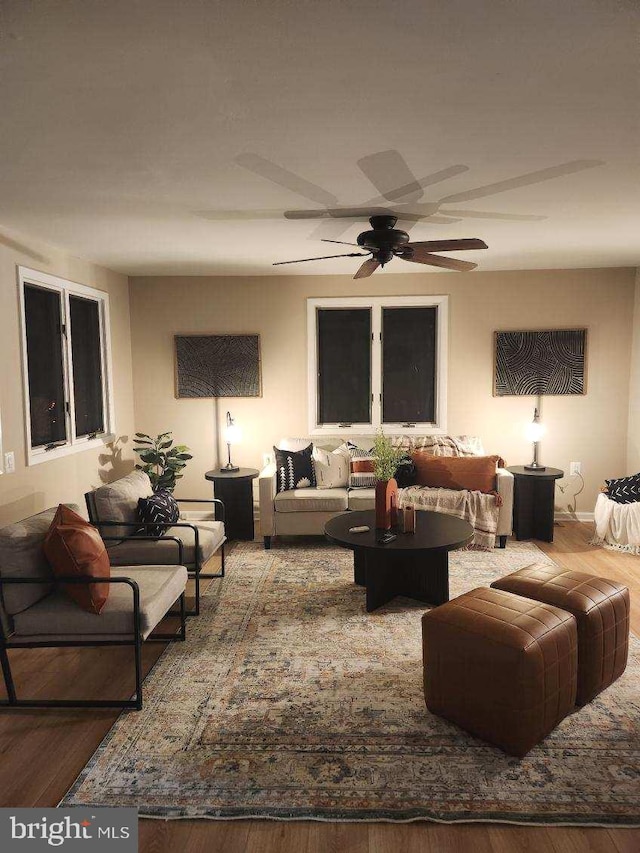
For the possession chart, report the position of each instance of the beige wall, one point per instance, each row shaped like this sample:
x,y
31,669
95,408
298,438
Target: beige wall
x,y
591,429
633,442
37,487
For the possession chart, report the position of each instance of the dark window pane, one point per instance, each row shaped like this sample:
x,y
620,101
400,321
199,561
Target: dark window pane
x,y
44,365
408,365
87,365
344,365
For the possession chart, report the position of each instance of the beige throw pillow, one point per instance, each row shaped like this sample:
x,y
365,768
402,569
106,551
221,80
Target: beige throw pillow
x,y
332,469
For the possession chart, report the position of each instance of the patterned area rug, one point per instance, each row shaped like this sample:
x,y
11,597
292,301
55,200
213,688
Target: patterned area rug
x,y
289,701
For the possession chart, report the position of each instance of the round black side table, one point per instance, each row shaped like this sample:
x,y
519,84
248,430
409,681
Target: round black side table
x,y
235,490
533,498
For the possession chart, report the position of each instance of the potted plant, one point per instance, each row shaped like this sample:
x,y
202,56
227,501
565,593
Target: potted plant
x,y
162,460
386,461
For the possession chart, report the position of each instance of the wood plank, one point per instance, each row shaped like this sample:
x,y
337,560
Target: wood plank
x,y
42,753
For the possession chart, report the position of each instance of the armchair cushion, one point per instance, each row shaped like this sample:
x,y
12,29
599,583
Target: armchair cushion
x,y
21,555
55,617
118,501
163,552
74,547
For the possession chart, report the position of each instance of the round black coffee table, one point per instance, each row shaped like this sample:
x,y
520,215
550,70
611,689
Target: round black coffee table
x,y
415,565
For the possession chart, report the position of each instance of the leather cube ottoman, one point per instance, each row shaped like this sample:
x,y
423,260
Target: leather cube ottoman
x,y
500,666
601,610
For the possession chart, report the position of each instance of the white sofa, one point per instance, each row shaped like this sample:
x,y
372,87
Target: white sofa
x,y
304,512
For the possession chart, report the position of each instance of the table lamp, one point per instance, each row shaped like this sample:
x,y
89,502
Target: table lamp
x,y
535,431
232,435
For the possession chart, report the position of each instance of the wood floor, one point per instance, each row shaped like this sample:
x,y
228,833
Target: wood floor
x,y
42,752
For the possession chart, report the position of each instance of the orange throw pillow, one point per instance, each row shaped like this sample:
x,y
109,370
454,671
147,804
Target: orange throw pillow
x,y
476,473
74,547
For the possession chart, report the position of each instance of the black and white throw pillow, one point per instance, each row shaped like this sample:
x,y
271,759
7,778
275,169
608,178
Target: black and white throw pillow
x,y
362,474
160,511
294,469
624,490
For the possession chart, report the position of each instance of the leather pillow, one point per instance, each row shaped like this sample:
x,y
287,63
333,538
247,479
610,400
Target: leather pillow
x,y
74,547
475,473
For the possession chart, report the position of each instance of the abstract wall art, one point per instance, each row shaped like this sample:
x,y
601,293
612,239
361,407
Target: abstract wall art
x,y
218,366
540,362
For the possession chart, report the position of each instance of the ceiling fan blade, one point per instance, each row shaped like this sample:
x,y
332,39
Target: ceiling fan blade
x,y
367,268
524,180
408,216
507,217
336,213
284,178
390,175
340,242
422,257
449,245
321,258
429,180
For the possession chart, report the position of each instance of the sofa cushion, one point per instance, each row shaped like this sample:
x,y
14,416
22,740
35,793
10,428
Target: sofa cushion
x,y
295,444
311,500
160,510
165,552
118,501
294,469
331,469
56,617
362,499
21,555
74,548
474,473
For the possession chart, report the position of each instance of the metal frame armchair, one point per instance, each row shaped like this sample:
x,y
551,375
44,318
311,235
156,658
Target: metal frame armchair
x,y
147,610
200,541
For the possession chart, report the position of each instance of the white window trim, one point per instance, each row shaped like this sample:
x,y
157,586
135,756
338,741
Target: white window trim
x,y
74,444
376,303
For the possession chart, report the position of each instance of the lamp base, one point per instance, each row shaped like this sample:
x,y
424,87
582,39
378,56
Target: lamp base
x,y
229,467
535,467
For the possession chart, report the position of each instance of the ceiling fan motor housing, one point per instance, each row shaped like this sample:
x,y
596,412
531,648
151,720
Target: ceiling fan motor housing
x,y
384,238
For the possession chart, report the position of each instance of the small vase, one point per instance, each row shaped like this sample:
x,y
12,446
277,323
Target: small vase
x,y
386,503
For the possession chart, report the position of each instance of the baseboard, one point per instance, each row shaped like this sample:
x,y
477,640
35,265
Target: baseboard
x,y
573,516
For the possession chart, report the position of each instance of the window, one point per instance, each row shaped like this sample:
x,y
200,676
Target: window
x,y
67,370
377,362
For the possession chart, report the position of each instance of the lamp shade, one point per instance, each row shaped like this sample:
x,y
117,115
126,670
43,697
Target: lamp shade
x,y
232,434
535,430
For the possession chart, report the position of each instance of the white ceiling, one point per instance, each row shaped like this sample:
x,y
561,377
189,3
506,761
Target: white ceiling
x,y
123,122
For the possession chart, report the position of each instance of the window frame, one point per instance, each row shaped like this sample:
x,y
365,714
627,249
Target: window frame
x,y
376,304
66,289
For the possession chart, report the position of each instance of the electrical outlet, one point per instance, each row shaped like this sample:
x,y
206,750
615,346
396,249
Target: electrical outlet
x,y
9,463
267,459
575,468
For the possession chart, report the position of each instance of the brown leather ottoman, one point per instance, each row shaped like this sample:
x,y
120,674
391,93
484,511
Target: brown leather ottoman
x,y
601,609
500,666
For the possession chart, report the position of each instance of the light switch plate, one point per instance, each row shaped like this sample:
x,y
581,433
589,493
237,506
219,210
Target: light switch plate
x,y
9,462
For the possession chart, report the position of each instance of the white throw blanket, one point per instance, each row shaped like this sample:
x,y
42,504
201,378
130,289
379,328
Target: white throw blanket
x,y
617,525
480,510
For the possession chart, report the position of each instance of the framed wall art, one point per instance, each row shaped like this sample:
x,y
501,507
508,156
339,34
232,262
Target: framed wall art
x,y
550,361
218,366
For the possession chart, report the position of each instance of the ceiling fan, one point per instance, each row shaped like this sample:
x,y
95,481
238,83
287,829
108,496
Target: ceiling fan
x,y
385,241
